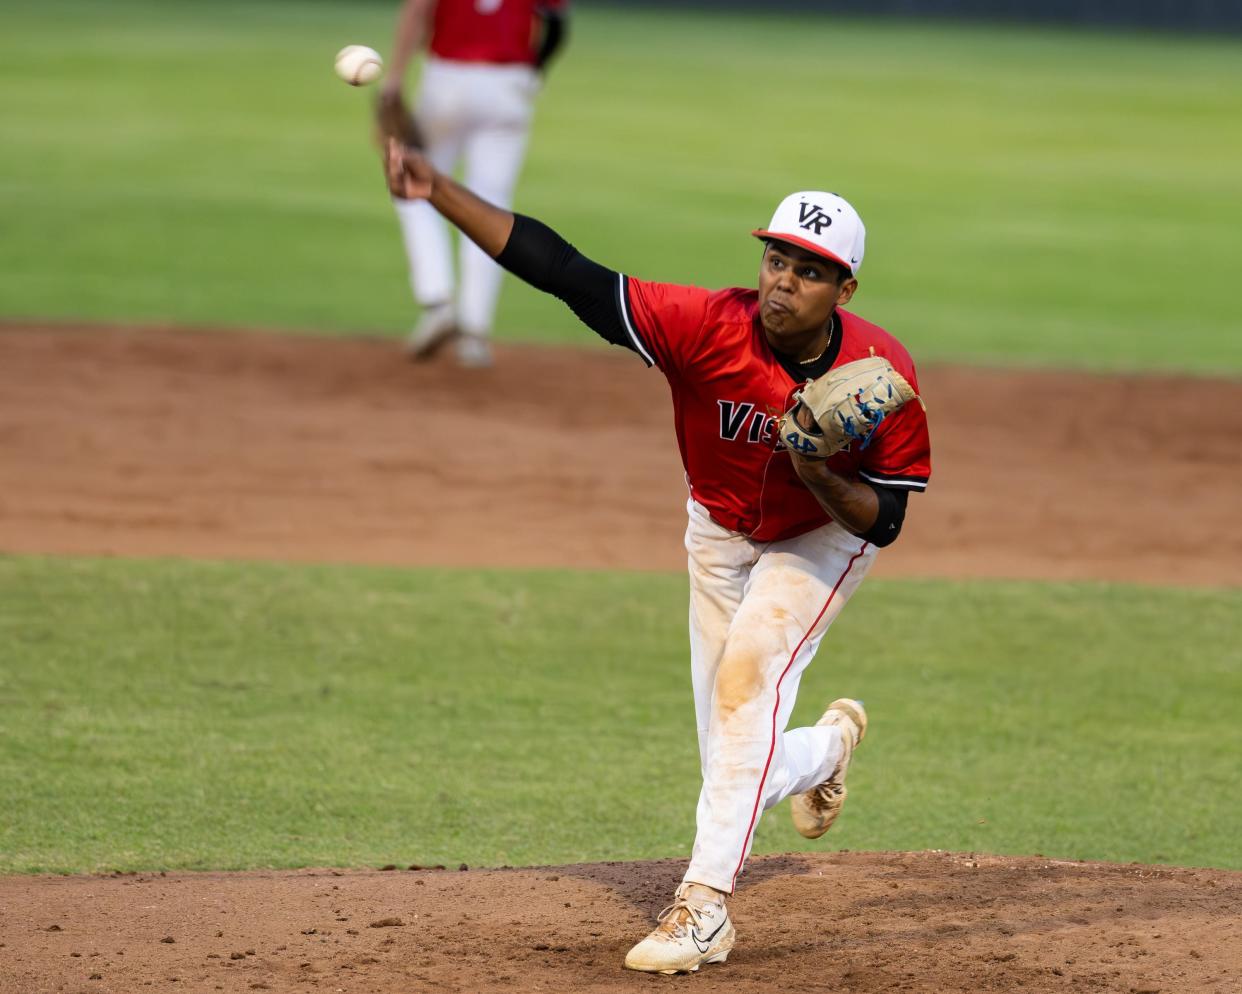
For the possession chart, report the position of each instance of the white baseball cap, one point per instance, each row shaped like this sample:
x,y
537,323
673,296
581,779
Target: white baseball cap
x,y
822,223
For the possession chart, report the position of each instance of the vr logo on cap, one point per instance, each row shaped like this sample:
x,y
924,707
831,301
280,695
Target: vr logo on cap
x,y
813,217
821,222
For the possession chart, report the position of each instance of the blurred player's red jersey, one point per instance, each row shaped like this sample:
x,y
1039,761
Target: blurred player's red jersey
x,y
501,32
729,389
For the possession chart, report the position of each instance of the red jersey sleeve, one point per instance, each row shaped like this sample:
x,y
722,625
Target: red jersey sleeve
x,y
665,321
899,454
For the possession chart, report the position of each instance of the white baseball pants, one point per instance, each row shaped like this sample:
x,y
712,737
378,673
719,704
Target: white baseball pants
x,y
477,114
758,611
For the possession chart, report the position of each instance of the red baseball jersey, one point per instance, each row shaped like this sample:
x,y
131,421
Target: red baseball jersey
x,y
728,391
501,32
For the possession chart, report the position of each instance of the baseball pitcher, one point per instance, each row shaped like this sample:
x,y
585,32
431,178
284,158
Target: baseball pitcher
x,y
802,436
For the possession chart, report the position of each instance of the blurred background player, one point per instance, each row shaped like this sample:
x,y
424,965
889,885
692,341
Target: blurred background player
x,y
475,103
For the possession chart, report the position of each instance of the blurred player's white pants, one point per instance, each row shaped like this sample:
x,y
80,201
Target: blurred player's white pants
x,y
758,611
477,114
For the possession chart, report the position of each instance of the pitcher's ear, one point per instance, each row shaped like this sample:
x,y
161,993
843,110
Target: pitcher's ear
x,y
847,291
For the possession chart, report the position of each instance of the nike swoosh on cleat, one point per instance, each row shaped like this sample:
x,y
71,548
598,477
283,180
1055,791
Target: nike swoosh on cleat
x,y
702,945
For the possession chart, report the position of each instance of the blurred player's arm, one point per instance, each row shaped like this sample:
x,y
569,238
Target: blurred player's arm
x,y
413,21
554,23
529,249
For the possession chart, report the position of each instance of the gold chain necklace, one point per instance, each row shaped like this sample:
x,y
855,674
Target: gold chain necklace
x,y
832,325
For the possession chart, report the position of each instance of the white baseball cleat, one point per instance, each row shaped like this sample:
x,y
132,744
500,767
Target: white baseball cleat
x,y
474,351
437,325
689,935
815,810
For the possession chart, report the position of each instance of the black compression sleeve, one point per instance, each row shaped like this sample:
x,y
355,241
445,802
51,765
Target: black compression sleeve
x,y
890,517
537,254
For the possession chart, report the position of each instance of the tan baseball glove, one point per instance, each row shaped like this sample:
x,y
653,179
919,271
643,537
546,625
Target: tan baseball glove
x,y
844,406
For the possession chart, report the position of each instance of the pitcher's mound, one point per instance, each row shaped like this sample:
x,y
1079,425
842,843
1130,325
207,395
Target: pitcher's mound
x,y
932,922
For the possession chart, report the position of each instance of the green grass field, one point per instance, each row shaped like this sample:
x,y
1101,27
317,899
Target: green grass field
x,y
1031,195
169,714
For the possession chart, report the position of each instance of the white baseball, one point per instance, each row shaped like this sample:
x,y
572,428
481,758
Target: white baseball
x,y
359,65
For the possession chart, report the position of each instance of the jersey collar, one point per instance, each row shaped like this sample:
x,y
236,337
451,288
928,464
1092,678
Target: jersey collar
x,y
800,373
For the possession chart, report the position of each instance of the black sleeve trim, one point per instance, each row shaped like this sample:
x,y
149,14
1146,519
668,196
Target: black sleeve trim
x,y
893,482
627,320
537,254
891,515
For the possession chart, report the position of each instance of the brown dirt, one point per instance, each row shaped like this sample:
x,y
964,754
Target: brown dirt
x,y
173,442
929,922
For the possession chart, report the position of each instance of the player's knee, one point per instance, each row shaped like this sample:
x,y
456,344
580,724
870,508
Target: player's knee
x,y
739,680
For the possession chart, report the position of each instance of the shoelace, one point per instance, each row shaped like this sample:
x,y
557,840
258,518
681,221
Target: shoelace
x,y
828,792
693,914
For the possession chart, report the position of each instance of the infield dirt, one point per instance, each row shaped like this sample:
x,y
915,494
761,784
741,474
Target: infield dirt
x,y
928,922
260,446
231,445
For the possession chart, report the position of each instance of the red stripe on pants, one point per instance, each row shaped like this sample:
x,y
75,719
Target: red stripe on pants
x,y
754,814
